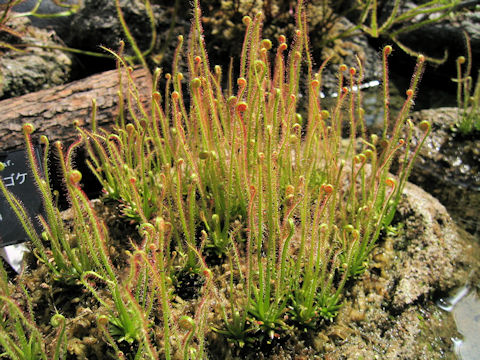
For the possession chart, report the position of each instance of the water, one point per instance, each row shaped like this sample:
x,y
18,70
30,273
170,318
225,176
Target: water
x,y
465,308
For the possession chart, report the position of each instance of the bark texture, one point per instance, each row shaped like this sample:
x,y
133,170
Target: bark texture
x,y
53,111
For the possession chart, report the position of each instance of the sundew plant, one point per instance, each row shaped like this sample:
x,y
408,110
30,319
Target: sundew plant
x,y
243,182
468,93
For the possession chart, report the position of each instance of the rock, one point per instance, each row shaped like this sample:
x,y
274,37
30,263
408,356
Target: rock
x,y
346,51
449,167
440,38
427,257
97,23
35,68
45,7
447,34
430,252
224,31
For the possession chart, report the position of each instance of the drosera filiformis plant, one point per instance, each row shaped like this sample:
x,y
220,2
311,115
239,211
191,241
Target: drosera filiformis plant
x,y
468,93
289,208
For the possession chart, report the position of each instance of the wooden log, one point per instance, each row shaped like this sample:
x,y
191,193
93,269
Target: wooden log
x,y
53,111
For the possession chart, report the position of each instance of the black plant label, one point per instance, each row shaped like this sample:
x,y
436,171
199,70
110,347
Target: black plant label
x,y
19,180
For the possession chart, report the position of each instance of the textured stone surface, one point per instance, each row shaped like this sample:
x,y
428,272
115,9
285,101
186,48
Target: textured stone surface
x,y
96,23
449,167
35,68
391,313
430,251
